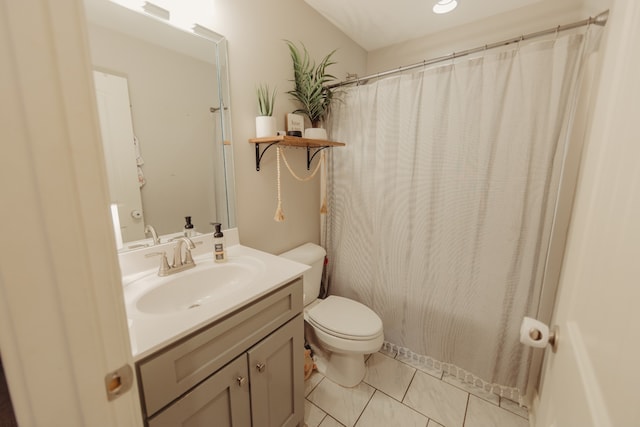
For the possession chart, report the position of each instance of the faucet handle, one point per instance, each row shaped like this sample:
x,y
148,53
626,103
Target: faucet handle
x,y
164,263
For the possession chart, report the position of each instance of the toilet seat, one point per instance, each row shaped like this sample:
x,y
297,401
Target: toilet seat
x,y
345,318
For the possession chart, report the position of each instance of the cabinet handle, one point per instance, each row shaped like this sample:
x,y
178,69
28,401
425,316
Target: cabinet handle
x,y
241,381
260,366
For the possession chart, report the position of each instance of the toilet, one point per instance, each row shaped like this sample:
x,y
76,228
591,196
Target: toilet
x,y
340,330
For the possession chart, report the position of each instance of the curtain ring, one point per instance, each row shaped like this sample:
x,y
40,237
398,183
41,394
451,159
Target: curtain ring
x,y
557,32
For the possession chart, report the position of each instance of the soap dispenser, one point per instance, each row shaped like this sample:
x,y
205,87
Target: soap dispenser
x,y
189,230
219,252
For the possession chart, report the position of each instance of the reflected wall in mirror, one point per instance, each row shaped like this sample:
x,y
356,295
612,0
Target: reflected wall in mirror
x,y
160,90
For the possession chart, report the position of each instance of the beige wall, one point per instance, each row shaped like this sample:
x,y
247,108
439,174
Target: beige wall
x,y
255,31
257,53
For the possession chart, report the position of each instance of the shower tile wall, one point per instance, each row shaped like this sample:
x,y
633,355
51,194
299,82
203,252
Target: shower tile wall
x,y
394,393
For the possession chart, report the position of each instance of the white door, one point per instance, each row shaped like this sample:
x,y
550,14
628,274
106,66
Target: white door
x,y
114,109
63,324
593,379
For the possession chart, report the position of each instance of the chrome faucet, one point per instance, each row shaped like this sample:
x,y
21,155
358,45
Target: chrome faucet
x,y
179,263
149,229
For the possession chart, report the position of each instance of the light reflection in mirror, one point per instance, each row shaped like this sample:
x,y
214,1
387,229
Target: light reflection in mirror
x,y
179,109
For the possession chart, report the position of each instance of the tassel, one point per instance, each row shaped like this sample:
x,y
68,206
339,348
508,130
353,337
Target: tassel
x,y
279,216
323,208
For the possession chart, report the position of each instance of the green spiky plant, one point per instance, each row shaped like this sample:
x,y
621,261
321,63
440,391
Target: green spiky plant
x,y
266,100
311,84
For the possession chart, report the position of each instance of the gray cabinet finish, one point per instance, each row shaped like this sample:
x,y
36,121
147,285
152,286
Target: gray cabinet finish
x,y
276,371
222,400
245,369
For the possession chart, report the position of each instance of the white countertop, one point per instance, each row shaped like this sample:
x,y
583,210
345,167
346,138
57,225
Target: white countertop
x,y
151,332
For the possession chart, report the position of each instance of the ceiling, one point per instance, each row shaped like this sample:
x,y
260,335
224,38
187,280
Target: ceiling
x,y
374,24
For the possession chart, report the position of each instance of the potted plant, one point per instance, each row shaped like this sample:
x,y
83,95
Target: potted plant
x,y
265,122
311,88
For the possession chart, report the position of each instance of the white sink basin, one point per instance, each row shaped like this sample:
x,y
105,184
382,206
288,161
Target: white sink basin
x,y
162,310
192,289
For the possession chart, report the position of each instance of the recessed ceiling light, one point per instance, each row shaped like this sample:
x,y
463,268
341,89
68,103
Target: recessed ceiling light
x,y
444,6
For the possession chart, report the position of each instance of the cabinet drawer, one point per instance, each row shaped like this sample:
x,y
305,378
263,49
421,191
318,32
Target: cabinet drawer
x,y
165,376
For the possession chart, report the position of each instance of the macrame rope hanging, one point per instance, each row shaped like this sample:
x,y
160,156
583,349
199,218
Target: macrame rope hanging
x,y
279,216
323,184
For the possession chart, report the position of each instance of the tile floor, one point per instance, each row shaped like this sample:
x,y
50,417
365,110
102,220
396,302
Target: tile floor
x,y
396,393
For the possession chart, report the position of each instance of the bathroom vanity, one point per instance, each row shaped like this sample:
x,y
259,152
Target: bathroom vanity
x,y
232,359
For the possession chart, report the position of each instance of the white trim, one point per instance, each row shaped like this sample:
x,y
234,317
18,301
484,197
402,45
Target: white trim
x,y
62,317
590,384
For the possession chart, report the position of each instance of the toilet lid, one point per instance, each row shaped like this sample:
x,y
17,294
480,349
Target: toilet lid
x,y
346,318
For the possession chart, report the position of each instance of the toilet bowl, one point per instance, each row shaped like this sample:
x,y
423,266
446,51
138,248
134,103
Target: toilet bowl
x,y
340,330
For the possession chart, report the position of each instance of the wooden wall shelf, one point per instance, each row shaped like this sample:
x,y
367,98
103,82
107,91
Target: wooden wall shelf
x,y
315,145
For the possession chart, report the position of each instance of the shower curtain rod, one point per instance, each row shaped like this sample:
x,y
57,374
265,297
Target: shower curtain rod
x,y
600,19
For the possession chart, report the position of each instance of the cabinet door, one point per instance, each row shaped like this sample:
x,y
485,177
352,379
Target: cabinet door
x,y
276,370
222,401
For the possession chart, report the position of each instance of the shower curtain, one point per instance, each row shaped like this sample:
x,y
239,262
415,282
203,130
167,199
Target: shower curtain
x,y
442,201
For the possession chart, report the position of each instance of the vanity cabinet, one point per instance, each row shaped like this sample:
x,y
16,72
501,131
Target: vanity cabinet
x,y
245,369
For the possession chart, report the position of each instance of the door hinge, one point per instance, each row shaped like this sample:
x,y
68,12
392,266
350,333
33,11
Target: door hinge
x,y
118,382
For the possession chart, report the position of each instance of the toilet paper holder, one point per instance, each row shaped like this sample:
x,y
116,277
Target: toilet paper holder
x,y
537,334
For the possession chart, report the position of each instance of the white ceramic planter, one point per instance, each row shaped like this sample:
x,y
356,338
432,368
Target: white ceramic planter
x,y
265,126
315,133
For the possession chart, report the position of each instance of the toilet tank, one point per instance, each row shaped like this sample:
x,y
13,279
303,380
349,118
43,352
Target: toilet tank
x,y
313,256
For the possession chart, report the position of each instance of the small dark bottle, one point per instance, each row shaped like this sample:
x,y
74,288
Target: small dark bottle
x,y
189,229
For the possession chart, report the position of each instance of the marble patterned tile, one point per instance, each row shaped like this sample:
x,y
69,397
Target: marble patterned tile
x,y
342,403
470,388
437,400
420,365
434,424
313,415
311,382
512,406
481,413
384,411
330,422
388,375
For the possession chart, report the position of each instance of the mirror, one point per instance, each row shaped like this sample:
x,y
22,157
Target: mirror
x,y
163,101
